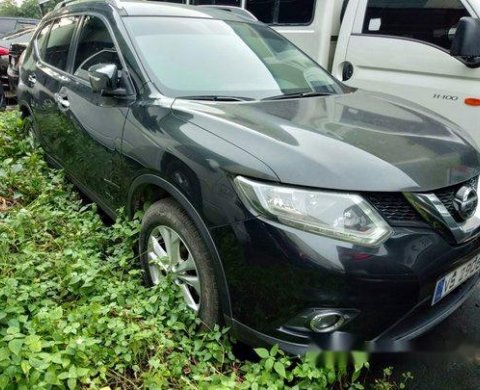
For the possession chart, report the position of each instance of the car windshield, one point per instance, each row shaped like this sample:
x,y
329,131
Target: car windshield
x,y
190,57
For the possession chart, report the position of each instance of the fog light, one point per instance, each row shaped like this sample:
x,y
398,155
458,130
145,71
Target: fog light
x,y
327,321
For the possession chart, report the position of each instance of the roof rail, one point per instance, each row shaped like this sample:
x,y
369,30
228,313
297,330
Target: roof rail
x,y
234,10
115,3
63,4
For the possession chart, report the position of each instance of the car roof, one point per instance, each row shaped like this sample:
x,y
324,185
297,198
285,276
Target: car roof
x,y
150,8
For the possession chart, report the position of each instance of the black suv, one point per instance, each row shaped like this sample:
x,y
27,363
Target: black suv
x,y
284,204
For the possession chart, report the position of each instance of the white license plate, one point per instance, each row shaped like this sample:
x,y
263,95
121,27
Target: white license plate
x,y
455,278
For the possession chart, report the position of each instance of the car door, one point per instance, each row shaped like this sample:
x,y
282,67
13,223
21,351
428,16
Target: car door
x,y
97,120
402,48
53,44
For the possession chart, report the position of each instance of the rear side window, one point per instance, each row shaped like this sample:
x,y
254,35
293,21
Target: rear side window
x,y
59,41
42,40
283,12
95,46
429,21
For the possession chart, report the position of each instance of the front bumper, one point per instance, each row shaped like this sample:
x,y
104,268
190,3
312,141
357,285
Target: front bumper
x,y
276,274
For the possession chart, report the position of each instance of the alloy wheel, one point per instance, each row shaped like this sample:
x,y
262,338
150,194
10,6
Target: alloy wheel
x,y
168,254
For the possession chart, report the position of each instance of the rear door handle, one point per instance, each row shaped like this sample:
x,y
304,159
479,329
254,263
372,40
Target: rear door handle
x,y
32,79
62,101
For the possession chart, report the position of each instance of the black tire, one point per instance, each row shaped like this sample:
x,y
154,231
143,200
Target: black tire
x,y
3,99
167,212
30,130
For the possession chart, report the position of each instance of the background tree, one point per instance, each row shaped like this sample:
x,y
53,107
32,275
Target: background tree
x,y
28,9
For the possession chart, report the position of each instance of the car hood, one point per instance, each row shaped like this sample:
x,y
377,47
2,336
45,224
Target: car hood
x,y
359,141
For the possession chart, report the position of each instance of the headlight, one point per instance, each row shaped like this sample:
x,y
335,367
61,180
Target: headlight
x,y
339,215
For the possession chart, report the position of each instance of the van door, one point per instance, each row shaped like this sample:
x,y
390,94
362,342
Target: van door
x,y
402,48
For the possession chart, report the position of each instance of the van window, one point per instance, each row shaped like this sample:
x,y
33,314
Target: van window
x,y
262,9
95,46
58,42
431,21
295,11
233,3
282,12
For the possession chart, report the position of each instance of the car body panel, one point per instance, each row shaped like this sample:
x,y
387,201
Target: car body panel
x,y
355,142
197,162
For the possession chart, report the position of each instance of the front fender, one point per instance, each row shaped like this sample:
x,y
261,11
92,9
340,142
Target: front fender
x,y
151,179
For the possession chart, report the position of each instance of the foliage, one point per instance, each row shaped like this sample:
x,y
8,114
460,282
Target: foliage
x,y
386,383
73,312
27,9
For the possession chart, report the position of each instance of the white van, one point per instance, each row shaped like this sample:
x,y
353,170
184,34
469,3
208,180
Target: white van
x,y
401,47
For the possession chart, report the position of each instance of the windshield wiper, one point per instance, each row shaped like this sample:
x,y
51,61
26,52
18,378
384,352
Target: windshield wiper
x,y
297,95
217,98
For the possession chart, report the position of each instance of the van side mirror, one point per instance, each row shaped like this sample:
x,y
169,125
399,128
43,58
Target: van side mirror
x,y
104,80
466,42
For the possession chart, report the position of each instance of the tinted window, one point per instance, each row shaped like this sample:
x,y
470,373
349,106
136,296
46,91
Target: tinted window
x,y
95,46
262,9
42,39
432,21
282,11
295,11
215,57
58,42
235,3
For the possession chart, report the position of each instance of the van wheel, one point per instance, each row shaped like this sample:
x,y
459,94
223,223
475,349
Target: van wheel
x,y
171,244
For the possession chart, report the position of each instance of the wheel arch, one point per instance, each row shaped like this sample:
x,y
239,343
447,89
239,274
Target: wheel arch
x,y
24,109
166,189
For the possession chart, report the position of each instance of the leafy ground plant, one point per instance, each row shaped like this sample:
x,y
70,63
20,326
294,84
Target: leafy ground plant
x,y
74,314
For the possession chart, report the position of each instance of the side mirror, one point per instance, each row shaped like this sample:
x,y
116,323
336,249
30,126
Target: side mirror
x,y
466,42
104,79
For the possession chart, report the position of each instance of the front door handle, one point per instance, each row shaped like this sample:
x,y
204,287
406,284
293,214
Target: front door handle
x,y
62,101
32,78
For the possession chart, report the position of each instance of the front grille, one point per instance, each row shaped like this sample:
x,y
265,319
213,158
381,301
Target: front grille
x,y
394,207
446,196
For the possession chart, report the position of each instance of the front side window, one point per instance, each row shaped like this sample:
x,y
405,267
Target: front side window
x,y
191,57
430,21
95,46
283,12
59,41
